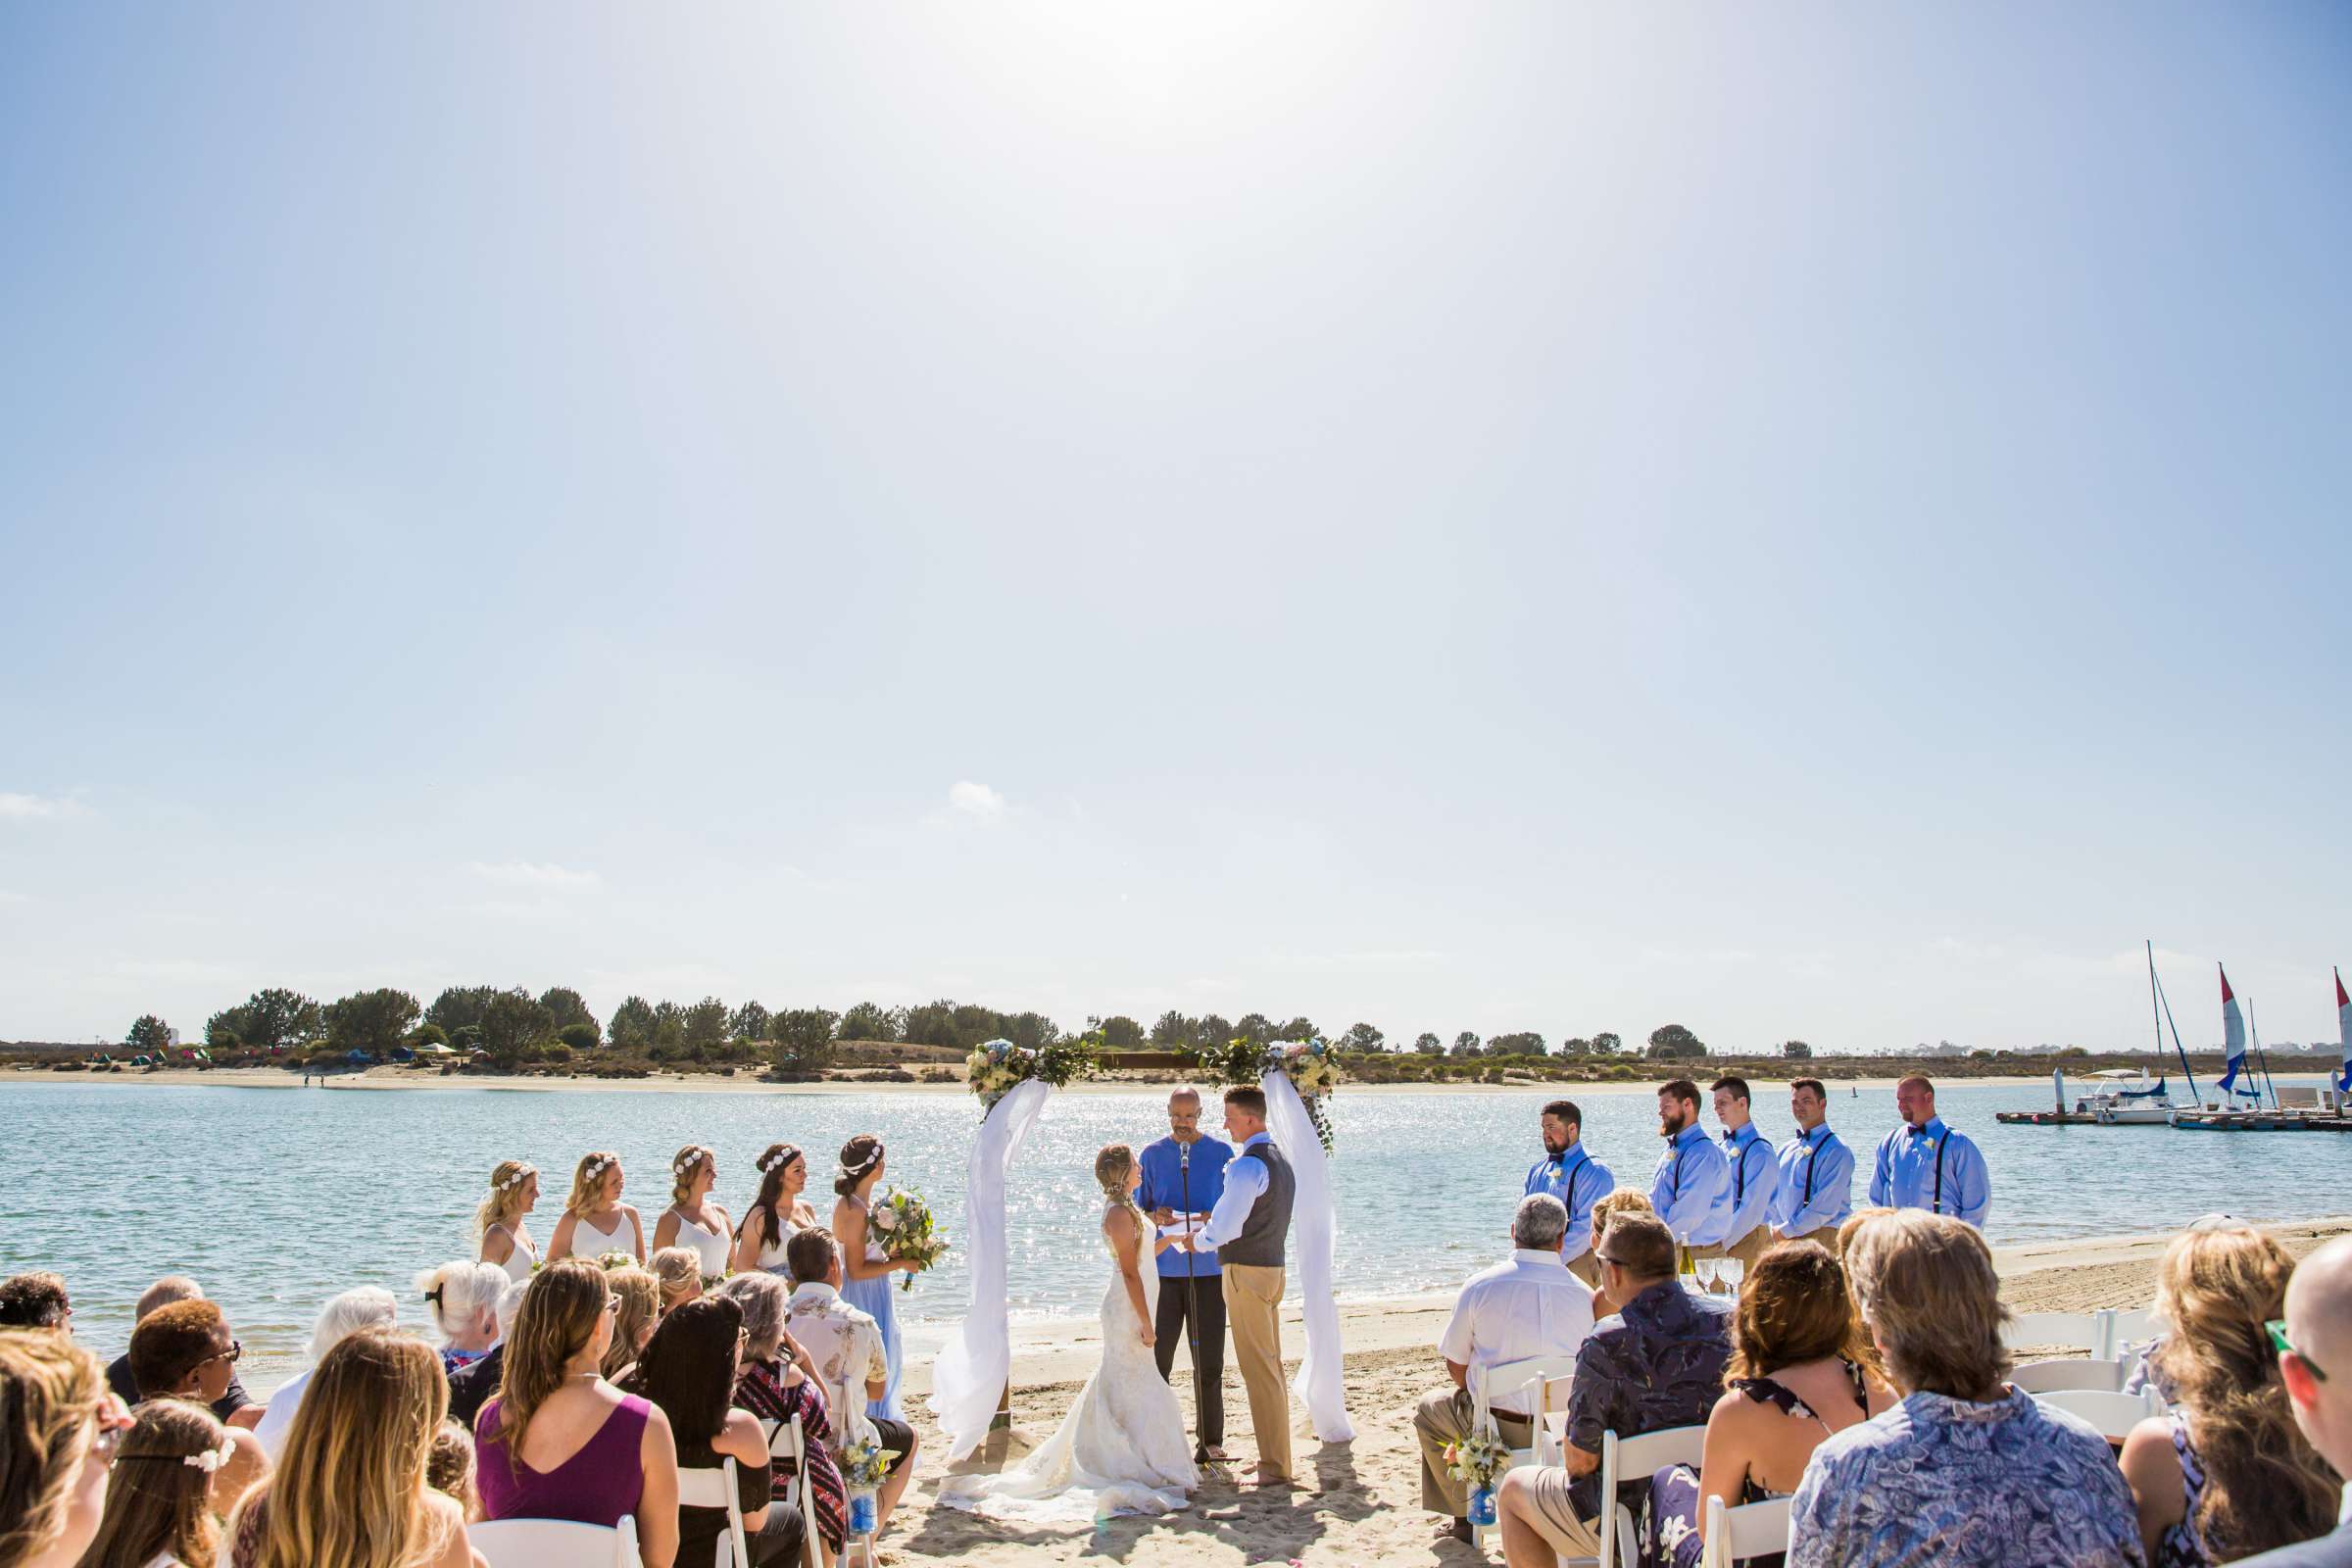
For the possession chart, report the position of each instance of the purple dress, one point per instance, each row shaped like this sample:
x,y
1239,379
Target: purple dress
x,y
598,1486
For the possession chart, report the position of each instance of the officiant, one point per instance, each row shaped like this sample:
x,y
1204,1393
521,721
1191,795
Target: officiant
x,y
1184,1174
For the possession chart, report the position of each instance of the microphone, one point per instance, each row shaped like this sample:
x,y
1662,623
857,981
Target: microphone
x,y
1184,1156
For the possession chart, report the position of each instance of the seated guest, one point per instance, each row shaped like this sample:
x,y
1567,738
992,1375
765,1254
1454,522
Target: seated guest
x,y
1515,1311
59,1429
163,1293
1967,1472
688,1371
2315,1351
845,1347
449,1467
461,1302
679,1271
185,1351
351,1492
471,1387
1796,1376
368,1307
1622,1201
36,1300
1658,1364
639,1296
560,1443
2226,1474
778,1381
159,1507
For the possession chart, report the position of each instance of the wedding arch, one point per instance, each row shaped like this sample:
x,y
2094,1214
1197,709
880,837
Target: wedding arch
x,y
970,1372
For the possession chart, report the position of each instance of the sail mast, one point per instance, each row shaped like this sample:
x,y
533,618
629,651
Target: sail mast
x,y
2179,1050
2344,1032
2261,1056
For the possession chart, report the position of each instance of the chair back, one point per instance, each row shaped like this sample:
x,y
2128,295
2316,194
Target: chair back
x,y
1524,1385
1752,1530
2087,1331
554,1544
1623,1459
2067,1372
786,1441
2111,1414
714,1487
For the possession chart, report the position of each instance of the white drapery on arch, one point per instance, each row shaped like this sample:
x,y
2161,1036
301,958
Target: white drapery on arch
x,y
968,1375
1321,1384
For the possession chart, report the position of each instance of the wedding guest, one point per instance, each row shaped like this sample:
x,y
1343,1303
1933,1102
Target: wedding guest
x,y
1756,1177
1658,1364
1924,1164
778,1381
59,1430
639,1295
688,1371
1569,1172
506,1240
2225,1474
368,1307
2315,1353
1796,1376
866,1268
471,1387
1184,1174
560,1443
352,1493
1966,1472
185,1351
678,1272
1814,1190
36,1300
692,1219
1517,1311
595,1220
1619,1202
778,1210
461,1302
163,1293
160,1507
449,1467
845,1345
1692,1187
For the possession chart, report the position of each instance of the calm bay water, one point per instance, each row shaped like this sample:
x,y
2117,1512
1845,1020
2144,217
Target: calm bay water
x,y
275,1199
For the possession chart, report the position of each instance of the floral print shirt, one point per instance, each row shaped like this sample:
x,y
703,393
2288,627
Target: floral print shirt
x,y
1656,1365
846,1345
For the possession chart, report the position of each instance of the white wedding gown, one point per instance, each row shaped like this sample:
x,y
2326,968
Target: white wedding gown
x,y
1122,1449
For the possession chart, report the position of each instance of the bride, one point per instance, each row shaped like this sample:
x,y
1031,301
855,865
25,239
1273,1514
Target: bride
x,y
1122,1449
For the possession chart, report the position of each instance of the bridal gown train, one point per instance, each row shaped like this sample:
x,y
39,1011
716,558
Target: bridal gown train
x,y
1122,1449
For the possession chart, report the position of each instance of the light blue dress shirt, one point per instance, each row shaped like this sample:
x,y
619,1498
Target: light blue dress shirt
x,y
1691,1190
1577,1181
1755,1178
1933,1167
1816,1188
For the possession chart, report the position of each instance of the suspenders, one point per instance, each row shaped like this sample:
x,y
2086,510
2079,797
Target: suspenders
x,y
1811,1161
1934,1205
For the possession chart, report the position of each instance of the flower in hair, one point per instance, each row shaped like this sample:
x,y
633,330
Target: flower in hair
x,y
596,1168
687,1163
212,1459
518,1178
776,1160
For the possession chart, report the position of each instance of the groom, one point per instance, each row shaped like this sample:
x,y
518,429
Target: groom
x,y
1247,1229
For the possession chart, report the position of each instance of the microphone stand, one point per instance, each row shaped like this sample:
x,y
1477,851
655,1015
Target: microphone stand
x,y
1192,1288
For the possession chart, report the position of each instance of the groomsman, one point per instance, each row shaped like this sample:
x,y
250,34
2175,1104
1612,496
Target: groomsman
x,y
1816,1188
1569,1172
1924,1164
1692,1187
1754,1176
1184,1173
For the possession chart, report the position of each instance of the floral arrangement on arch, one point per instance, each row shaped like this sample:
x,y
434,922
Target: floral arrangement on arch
x,y
999,1067
1311,1066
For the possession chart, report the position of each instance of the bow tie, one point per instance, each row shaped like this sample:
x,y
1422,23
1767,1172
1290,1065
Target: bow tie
x,y
1919,1132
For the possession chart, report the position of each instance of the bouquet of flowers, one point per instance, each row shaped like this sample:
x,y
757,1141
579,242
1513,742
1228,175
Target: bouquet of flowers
x,y
1310,1065
902,1224
1477,1459
615,1259
865,1465
999,1067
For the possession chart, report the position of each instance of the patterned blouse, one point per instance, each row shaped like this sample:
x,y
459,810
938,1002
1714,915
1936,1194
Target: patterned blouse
x,y
1962,1484
761,1389
2182,1545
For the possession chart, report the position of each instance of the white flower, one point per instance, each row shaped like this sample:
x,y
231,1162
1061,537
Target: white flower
x,y
885,1220
212,1459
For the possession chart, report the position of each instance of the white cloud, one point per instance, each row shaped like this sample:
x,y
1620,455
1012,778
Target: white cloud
x,y
26,808
975,800
527,874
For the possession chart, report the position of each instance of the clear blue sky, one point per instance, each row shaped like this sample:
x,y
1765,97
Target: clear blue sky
x,y
1820,520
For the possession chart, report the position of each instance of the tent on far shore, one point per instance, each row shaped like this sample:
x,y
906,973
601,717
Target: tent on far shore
x,y
434,1048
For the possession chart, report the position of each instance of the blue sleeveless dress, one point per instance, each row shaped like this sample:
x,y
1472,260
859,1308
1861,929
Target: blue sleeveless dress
x,y
878,1299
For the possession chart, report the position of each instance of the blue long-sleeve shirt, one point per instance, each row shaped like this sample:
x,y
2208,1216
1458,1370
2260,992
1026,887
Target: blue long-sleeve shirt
x,y
1933,1167
1577,1181
1168,1184
1816,1189
1754,1179
1691,1190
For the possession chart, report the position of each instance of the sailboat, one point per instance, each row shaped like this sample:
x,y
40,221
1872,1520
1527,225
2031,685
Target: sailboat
x,y
2234,1045
2344,1033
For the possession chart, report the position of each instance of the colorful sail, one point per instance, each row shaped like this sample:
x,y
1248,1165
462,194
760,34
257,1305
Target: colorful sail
x,y
2343,1031
2234,1041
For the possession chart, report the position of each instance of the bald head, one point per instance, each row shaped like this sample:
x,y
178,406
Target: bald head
x,y
1184,1115
2319,1324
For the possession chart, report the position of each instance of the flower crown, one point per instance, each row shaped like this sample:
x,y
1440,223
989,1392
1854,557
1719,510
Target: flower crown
x,y
776,1160
518,1178
687,1161
596,1168
850,1173
210,1462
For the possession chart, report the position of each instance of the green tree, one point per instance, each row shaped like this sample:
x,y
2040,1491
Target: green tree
x,y
459,1006
278,1019
706,1024
514,1024
1796,1049
1465,1044
1121,1033
751,1021
1605,1043
578,1036
932,1024
1363,1037
804,1040
568,1007
870,1020
1428,1044
1173,1031
150,1034
1033,1031
1254,1027
1671,1041
1210,1029
1300,1028
1527,1043
225,1030
370,1020
1576,1046
633,1024
669,1028
428,1034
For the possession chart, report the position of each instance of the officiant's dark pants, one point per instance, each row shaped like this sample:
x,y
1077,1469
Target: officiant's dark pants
x,y
1176,1301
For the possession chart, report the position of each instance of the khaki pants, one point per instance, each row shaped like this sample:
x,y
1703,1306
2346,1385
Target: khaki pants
x,y
1748,1249
1253,1311
1542,1498
1441,1418
1586,1266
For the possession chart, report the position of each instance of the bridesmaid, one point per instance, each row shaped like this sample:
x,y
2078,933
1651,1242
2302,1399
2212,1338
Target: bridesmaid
x,y
777,1214
692,1219
514,1192
865,1271
595,1219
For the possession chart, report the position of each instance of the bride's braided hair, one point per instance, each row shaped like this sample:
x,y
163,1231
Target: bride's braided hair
x,y
1111,1165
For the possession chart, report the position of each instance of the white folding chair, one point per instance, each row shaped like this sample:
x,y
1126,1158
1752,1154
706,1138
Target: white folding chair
x,y
554,1544
2112,1415
785,1440
2067,1372
714,1487
1527,1386
2086,1331
1752,1530
1626,1460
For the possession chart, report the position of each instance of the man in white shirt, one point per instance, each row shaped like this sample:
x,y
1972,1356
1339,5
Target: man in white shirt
x,y
845,1346
1530,1307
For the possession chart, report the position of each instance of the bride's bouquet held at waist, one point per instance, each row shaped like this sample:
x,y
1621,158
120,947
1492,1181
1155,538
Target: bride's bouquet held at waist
x,y
903,1226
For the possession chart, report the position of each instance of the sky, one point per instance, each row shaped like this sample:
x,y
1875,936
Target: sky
x,y
1824,522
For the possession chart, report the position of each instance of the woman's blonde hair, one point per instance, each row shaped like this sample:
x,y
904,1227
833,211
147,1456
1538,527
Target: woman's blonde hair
x,y
561,1310
679,1269
504,1206
1610,1204
2215,1291
348,1490
1928,1292
1112,1163
640,1309
588,1182
691,1159
155,1504
51,1390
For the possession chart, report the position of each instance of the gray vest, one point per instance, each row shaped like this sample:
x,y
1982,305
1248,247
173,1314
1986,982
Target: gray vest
x,y
1268,1227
